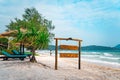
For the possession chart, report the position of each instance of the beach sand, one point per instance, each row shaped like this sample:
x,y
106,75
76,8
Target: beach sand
x,y
44,70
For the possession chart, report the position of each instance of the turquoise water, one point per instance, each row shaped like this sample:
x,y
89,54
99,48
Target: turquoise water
x,y
108,58
113,57
100,57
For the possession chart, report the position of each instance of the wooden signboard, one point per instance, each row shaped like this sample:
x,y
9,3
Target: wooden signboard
x,y
68,55
68,47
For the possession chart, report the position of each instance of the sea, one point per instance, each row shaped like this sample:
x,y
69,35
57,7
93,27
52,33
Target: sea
x,y
105,58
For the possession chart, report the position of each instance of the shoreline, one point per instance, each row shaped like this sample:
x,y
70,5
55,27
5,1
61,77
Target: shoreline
x,y
44,70
83,61
103,63
97,62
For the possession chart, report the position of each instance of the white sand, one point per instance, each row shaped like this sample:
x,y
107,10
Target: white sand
x,y
44,70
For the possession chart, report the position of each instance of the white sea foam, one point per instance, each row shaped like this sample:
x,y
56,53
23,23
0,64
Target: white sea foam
x,y
91,53
107,54
95,57
90,56
94,52
104,63
111,58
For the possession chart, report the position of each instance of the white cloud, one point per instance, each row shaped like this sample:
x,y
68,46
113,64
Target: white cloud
x,y
79,20
84,19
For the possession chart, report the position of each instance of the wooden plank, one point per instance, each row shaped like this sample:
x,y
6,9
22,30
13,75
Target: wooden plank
x,y
68,47
68,55
68,39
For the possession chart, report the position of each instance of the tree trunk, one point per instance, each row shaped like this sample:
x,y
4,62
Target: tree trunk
x,y
33,59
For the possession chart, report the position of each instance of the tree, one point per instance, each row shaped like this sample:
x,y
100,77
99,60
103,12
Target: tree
x,y
31,18
38,39
38,30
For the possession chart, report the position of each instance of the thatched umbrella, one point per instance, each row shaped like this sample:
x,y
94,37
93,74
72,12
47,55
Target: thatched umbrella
x,y
2,36
13,33
9,33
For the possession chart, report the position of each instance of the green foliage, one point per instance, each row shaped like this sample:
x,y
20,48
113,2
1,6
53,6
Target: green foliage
x,y
31,18
38,30
3,43
12,45
37,39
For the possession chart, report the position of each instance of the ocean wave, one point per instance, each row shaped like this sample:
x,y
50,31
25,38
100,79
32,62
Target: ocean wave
x,y
110,58
107,54
91,53
90,56
106,63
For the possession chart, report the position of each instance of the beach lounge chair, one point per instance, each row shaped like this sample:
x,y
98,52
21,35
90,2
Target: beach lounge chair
x,y
15,52
7,55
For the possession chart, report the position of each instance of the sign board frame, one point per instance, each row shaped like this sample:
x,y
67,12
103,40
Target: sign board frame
x,y
56,51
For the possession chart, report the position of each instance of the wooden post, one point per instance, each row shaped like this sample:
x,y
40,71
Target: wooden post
x,y
23,49
56,52
79,59
20,47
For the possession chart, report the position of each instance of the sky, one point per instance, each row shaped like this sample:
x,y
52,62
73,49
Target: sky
x,y
96,22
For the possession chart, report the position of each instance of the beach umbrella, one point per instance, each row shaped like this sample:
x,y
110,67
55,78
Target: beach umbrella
x,y
9,33
2,36
13,33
